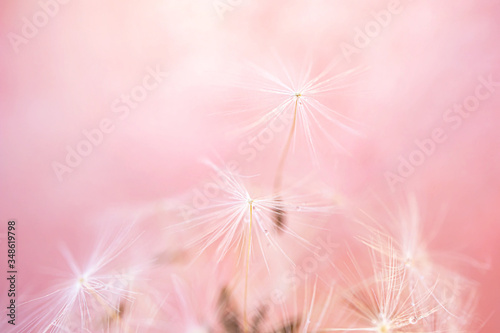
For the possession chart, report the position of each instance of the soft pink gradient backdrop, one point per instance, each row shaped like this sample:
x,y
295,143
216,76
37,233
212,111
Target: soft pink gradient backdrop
x,y
64,80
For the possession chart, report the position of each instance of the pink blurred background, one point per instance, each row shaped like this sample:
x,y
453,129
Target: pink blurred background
x,y
64,79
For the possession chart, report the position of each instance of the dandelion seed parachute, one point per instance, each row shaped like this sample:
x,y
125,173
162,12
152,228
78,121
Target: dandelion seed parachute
x,y
92,297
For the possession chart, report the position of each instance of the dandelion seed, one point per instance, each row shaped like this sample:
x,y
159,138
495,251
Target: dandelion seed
x,y
92,298
423,267
382,303
299,100
239,221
